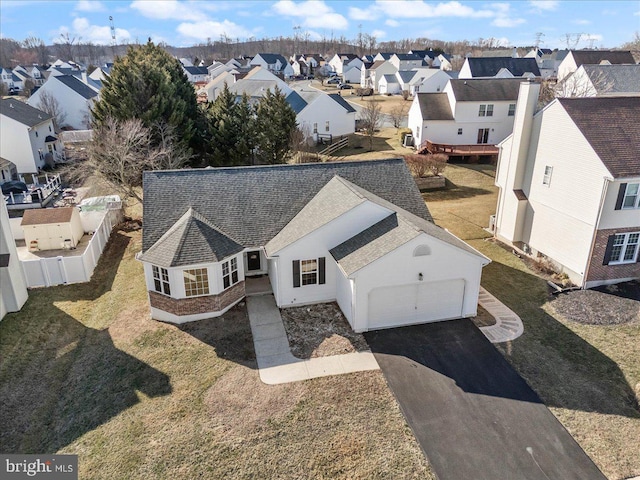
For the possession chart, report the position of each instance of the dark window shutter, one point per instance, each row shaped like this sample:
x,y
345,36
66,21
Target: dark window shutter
x,y
621,192
607,252
296,273
321,271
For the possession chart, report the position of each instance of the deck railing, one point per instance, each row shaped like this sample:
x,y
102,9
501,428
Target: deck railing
x,y
474,149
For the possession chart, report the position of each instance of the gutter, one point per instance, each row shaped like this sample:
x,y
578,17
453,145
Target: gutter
x,y
605,187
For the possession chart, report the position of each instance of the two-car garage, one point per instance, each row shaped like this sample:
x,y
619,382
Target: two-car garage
x,y
420,302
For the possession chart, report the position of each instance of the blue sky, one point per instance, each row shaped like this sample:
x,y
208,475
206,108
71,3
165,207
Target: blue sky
x,y
187,22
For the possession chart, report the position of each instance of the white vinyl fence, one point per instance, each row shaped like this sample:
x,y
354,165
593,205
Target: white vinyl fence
x,y
45,272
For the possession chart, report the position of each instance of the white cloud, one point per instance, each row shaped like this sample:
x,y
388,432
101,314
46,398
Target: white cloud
x,y
90,6
98,34
547,5
311,13
211,29
392,23
637,14
356,13
379,34
421,9
166,10
581,21
503,17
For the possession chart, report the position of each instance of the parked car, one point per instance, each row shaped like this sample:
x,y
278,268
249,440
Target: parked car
x,y
344,86
334,80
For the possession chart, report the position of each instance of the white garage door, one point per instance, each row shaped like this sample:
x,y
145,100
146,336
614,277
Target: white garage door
x,y
415,303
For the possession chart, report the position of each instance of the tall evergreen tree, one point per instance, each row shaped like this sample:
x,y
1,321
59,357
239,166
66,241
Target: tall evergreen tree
x,y
276,122
150,85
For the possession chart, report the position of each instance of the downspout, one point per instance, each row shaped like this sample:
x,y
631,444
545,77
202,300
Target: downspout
x,y
603,195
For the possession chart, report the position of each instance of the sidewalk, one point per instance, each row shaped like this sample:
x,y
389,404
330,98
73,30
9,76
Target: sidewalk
x,y
508,325
277,364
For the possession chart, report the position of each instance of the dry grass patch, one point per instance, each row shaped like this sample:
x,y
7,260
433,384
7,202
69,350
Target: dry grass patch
x,y
319,331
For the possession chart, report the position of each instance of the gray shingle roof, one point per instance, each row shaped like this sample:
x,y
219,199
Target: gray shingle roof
x,y
77,86
612,79
342,102
23,113
389,234
594,57
272,58
408,56
252,204
486,89
197,70
407,75
611,126
435,106
490,66
389,78
296,102
191,240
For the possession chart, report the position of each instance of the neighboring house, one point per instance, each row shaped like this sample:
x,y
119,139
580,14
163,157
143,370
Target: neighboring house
x,y
28,135
352,74
475,111
406,61
389,84
478,67
379,69
273,62
256,83
100,73
323,115
505,52
576,58
428,80
74,97
343,61
383,56
8,171
443,62
548,60
6,77
215,86
357,233
196,74
13,293
569,180
598,80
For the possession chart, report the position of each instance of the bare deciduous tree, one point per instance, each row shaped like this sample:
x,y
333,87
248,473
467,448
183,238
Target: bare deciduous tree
x,y
48,103
420,165
371,119
122,150
398,114
584,85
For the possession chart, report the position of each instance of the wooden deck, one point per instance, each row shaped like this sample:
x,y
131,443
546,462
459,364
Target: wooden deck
x,y
458,150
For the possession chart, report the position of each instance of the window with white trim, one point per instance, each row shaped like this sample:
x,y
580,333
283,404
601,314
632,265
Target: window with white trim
x,y
546,179
161,280
482,111
625,248
309,271
459,131
326,126
315,128
490,110
196,282
632,196
230,272
512,110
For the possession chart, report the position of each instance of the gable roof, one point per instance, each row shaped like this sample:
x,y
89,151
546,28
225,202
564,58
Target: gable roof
x,y
296,102
191,240
196,70
611,126
490,66
435,106
377,63
342,102
23,113
486,89
77,86
594,57
407,56
406,75
252,204
612,79
272,58
390,78
42,216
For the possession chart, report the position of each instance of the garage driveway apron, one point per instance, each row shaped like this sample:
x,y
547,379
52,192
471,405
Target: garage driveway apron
x,y
473,415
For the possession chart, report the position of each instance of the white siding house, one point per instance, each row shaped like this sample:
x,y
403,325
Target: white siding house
x,y
569,180
326,115
13,293
576,58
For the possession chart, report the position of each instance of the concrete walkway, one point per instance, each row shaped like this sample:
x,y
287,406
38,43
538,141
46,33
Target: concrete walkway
x,y
508,325
277,364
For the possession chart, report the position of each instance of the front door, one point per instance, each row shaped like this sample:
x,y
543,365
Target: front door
x,y
253,260
483,135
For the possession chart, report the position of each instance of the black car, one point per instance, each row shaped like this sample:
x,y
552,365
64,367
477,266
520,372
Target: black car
x,y
334,80
344,86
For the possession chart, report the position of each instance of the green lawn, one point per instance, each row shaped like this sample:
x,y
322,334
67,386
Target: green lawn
x,y
588,375
84,370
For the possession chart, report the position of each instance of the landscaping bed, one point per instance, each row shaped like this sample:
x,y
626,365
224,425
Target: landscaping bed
x,y
320,331
610,305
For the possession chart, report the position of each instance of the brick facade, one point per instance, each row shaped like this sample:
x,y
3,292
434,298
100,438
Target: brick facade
x,y
197,305
599,272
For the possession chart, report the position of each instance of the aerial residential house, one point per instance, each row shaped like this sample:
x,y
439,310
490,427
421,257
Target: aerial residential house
x,y
598,80
215,86
321,115
343,61
548,60
196,74
74,97
22,76
100,73
406,61
357,233
569,180
500,52
390,84
13,294
499,67
576,58
469,117
428,80
28,136
273,62
382,56
376,72
7,78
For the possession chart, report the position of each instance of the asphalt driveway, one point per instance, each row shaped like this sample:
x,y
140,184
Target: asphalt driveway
x,y
473,415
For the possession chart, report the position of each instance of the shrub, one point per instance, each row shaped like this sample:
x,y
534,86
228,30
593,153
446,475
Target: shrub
x,y
421,165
